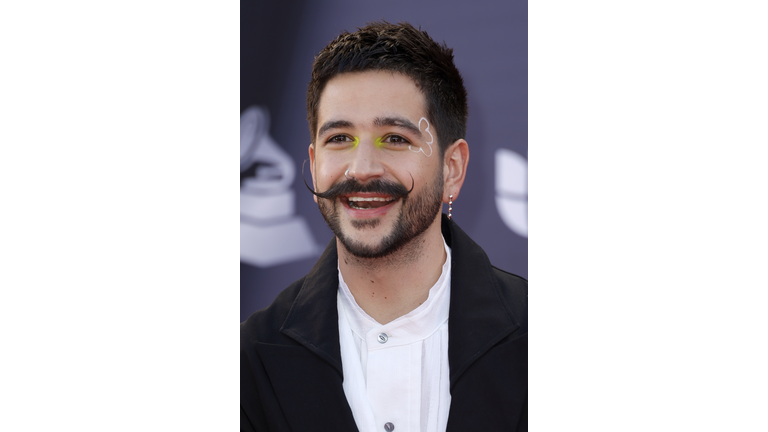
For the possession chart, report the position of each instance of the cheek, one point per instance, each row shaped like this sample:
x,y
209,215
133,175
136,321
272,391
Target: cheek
x,y
328,171
427,170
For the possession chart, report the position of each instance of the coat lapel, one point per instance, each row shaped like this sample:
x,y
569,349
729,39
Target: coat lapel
x,y
308,380
314,319
479,316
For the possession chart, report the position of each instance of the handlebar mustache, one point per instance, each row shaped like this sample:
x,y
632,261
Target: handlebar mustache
x,y
346,187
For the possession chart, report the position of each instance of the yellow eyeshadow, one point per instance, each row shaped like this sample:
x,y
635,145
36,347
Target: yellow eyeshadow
x,y
379,143
355,142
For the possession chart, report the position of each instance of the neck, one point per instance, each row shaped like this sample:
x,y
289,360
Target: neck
x,y
389,287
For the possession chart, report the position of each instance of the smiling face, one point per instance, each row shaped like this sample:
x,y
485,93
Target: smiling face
x,y
373,144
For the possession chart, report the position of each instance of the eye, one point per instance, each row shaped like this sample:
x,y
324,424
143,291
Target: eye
x,y
395,139
342,141
339,139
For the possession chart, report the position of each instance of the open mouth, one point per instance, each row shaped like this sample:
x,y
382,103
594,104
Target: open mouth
x,y
368,203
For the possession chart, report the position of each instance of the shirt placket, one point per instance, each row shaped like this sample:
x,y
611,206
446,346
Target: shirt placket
x,y
394,378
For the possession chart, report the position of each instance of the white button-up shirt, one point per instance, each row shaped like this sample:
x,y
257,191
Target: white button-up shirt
x,y
398,372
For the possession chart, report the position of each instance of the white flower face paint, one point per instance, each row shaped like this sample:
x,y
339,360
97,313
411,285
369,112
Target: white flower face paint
x,y
429,143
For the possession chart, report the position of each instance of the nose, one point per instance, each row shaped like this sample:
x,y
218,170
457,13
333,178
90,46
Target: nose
x,y
366,164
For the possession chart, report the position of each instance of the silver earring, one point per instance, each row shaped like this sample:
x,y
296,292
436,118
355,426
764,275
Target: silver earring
x,y
346,174
450,203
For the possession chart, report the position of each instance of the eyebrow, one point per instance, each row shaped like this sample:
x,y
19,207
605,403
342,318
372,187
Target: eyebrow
x,y
334,124
397,122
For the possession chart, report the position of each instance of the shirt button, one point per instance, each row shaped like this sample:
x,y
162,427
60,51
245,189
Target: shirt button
x,y
389,427
383,339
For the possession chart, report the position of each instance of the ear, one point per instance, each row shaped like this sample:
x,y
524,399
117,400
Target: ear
x,y
312,168
454,168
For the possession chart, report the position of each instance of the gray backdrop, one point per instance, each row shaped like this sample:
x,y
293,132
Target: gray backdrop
x,y
278,43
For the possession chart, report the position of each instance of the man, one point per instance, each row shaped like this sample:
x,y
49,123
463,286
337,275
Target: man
x,y
403,324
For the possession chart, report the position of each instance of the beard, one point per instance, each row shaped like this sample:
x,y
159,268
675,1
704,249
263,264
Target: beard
x,y
417,213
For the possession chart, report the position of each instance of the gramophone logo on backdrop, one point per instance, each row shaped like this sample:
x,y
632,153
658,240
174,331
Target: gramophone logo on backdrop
x,y
270,233
512,190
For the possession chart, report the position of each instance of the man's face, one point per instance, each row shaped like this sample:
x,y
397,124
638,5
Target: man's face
x,y
373,133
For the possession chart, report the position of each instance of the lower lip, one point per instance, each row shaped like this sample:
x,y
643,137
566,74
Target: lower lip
x,y
368,213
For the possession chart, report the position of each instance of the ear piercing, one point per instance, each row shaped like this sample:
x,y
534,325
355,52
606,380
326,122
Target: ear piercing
x,y
450,203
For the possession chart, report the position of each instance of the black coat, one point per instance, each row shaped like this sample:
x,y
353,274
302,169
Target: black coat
x,y
290,360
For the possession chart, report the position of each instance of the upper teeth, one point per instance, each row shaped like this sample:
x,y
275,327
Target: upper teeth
x,y
370,199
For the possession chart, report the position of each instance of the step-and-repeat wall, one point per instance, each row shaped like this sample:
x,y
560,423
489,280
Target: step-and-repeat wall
x,y
281,230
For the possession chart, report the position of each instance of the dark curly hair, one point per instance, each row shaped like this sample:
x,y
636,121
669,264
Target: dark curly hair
x,y
397,48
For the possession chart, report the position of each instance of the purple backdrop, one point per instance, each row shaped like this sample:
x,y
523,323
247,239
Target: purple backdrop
x,y
282,232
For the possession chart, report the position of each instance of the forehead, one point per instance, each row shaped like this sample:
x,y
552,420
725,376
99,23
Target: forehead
x,y
360,97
